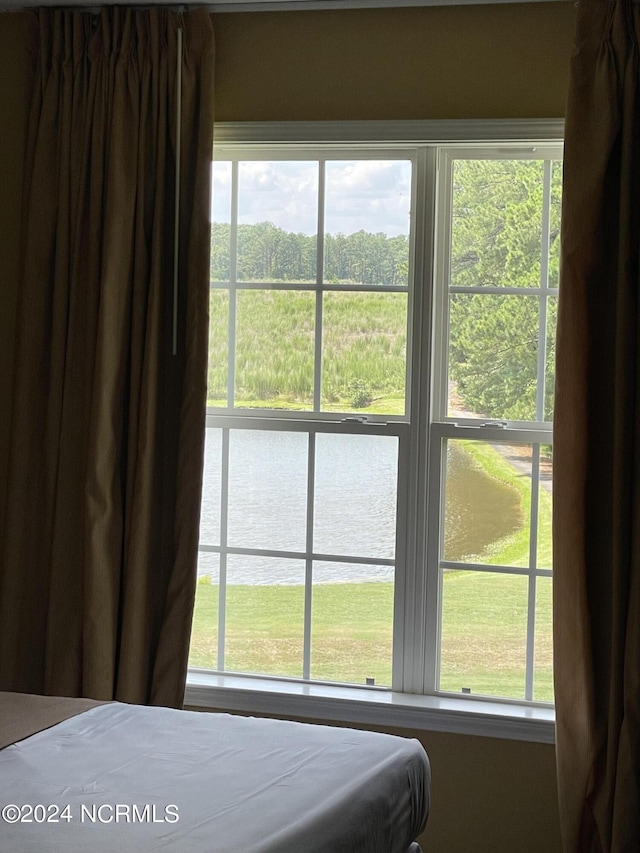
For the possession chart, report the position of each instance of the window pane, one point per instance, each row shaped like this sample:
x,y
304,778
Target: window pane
x,y
543,654
218,372
275,349
545,508
220,221
550,369
203,650
496,237
265,615
493,356
211,487
484,628
556,209
267,489
364,352
277,221
367,205
355,495
487,503
352,623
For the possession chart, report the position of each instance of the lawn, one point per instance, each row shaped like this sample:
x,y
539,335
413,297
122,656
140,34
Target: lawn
x,y
484,622
484,630
351,630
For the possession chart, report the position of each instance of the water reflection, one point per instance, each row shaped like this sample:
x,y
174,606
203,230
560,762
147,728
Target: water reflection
x,y
479,509
355,503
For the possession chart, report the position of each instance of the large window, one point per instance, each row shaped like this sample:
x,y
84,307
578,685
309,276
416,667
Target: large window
x,y
377,484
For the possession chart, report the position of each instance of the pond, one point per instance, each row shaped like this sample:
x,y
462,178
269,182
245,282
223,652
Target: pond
x,y
354,508
479,510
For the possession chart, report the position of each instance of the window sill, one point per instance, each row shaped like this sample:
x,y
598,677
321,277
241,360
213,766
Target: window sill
x,y
344,704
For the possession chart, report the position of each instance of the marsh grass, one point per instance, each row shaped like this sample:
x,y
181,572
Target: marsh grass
x,y
363,340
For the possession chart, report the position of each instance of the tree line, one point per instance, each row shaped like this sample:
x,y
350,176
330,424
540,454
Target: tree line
x,y
268,253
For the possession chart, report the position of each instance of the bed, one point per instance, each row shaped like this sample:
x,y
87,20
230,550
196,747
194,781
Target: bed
x,y
78,776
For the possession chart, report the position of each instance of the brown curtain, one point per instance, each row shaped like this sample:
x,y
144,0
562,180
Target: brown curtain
x,y
597,440
98,572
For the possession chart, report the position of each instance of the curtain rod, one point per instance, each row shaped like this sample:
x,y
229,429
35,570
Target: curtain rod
x,y
300,5
225,6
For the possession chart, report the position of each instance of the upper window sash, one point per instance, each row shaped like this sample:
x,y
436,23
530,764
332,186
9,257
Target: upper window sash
x,y
444,287
325,288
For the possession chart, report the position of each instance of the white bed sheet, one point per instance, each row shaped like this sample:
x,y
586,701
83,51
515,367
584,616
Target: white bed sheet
x,y
235,784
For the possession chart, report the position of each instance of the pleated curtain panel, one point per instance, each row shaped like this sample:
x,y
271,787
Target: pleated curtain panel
x,y
597,440
99,564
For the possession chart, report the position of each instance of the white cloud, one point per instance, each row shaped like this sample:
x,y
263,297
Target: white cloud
x,y
369,195
285,193
221,192
373,195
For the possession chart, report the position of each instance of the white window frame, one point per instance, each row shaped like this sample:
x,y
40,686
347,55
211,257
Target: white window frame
x,y
443,427
413,701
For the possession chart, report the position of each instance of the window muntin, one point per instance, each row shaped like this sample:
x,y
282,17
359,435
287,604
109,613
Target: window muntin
x,y
418,654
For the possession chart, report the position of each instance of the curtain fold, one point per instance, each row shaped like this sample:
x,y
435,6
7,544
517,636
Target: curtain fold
x,y
99,568
597,440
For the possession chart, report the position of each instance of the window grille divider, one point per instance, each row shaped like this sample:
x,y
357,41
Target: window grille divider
x,y
224,535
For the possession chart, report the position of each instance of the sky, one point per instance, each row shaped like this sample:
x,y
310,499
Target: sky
x,y
369,195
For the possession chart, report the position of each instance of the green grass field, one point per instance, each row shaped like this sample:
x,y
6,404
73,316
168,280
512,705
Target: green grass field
x,y
351,630
484,630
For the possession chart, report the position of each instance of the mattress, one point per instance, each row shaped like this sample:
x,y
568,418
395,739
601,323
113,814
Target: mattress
x,y
130,778
22,714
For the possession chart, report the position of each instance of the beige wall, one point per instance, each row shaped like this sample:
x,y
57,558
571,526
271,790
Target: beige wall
x,y
505,61
489,796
